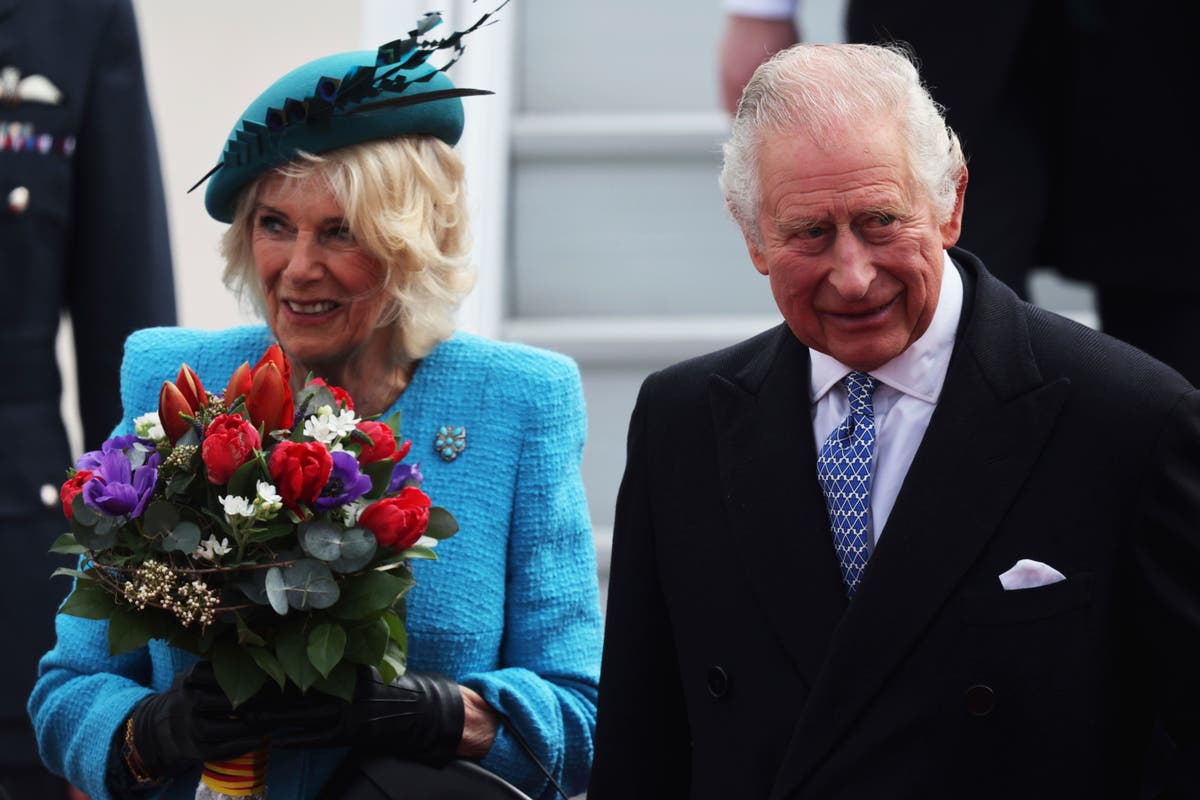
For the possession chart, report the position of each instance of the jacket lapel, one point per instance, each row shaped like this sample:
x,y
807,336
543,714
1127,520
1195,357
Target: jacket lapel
x,y
768,472
989,427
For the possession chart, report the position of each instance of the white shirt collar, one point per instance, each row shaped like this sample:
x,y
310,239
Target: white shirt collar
x,y
921,369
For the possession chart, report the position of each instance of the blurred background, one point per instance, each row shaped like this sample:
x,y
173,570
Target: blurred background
x,y
600,229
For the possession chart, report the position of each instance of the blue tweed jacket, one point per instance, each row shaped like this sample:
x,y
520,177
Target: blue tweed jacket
x,y
510,609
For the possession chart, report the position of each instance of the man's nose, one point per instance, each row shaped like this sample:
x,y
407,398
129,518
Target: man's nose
x,y
852,273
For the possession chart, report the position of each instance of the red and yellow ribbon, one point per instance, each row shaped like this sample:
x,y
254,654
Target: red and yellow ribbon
x,y
243,776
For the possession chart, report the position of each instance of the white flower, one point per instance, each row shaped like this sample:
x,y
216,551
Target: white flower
x,y
353,510
426,541
236,507
148,426
211,549
326,426
268,501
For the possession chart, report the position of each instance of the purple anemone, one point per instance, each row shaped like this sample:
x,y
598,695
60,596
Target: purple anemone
x,y
116,488
405,475
346,483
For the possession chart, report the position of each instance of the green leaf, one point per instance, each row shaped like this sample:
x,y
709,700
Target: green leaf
x,y
340,682
269,664
442,524
245,635
291,647
73,573
366,644
396,630
183,539
380,473
344,550
244,481
179,484
67,545
395,662
326,644
393,422
160,518
274,531
82,513
371,593
238,674
127,631
304,585
417,552
89,601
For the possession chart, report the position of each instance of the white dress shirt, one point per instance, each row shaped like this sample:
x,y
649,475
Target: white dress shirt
x,y
909,387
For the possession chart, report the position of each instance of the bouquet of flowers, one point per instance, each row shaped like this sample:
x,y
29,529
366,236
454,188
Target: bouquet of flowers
x,y
271,535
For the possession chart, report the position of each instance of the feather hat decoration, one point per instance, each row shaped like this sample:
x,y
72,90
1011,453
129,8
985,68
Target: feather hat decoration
x,y
344,99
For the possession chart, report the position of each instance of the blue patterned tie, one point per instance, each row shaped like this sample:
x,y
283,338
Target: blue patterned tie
x,y
844,470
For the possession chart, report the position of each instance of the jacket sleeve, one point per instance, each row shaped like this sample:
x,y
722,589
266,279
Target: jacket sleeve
x,y
1167,563
119,261
643,746
547,685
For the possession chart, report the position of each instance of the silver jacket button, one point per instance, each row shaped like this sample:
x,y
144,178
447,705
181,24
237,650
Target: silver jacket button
x,y
18,200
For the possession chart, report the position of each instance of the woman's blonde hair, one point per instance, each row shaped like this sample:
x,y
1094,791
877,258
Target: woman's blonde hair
x,y
405,203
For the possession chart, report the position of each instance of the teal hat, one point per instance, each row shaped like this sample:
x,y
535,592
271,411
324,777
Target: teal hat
x,y
340,100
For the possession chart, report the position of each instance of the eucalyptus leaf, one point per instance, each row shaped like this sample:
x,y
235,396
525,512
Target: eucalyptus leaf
x,y
191,438
291,648
254,586
442,524
238,674
326,644
82,513
67,545
345,550
307,584
92,539
179,484
185,538
320,539
276,589
160,518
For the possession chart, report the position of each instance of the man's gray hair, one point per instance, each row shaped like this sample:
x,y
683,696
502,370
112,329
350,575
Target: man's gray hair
x,y
820,90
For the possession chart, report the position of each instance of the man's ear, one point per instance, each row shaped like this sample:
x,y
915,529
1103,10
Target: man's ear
x,y
952,228
757,256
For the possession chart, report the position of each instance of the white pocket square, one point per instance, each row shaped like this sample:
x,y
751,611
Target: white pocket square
x,y
1029,574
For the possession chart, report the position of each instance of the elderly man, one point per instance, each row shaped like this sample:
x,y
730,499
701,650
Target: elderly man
x,y
921,541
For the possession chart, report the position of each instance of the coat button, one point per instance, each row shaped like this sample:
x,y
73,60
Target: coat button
x,y
18,200
49,495
718,682
980,700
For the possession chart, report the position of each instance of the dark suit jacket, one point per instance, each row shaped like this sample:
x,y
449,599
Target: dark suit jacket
x,y
92,241
734,666
1069,114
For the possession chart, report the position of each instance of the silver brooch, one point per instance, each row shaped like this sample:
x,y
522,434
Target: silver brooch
x,y
450,441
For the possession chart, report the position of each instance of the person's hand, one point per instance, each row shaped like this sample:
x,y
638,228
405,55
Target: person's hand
x,y
189,723
418,715
746,43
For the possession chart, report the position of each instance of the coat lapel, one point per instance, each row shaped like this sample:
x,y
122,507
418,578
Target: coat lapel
x,y
768,473
989,427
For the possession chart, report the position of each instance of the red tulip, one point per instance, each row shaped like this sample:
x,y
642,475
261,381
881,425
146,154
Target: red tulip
x,y
274,355
239,385
189,384
175,401
269,401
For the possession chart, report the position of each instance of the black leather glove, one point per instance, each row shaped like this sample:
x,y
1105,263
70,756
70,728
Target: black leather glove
x,y
418,716
189,723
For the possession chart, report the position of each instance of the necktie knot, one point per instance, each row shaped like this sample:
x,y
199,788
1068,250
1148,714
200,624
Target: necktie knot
x,y
860,388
